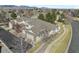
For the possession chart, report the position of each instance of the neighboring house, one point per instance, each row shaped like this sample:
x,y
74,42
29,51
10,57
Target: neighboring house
x,y
57,17
34,30
41,29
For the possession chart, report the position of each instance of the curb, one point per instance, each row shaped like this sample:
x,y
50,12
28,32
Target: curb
x,y
66,51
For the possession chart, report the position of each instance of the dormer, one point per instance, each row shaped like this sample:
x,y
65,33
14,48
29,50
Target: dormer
x,y
28,27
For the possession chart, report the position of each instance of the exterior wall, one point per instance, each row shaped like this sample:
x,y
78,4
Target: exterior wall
x,y
30,38
18,16
52,32
38,39
60,12
10,25
42,36
58,16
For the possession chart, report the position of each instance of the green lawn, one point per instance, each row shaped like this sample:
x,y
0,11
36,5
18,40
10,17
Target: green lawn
x,y
37,45
60,46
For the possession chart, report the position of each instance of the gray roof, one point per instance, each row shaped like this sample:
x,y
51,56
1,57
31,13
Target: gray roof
x,y
39,25
13,43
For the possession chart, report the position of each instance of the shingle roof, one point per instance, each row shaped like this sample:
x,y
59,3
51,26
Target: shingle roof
x,y
39,25
13,43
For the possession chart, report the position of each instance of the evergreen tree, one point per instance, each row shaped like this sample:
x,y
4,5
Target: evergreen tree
x,y
13,15
41,16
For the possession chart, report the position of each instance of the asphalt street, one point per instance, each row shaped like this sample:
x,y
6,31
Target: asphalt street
x,y
74,46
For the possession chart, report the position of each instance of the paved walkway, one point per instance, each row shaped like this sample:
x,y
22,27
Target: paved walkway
x,y
41,48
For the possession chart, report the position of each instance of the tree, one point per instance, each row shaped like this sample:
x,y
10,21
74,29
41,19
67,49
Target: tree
x,y
62,15
13,15
54,16
2,16
57,13
61,18
41,16
77,14
49,17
